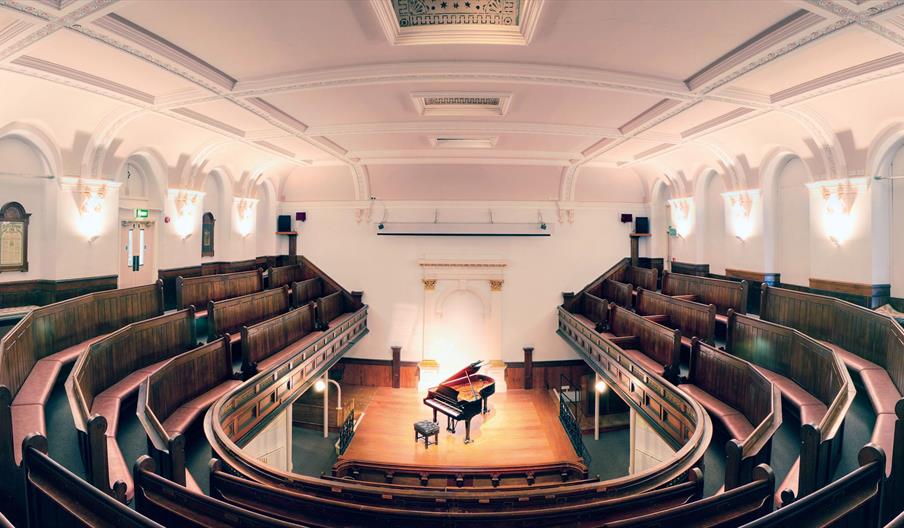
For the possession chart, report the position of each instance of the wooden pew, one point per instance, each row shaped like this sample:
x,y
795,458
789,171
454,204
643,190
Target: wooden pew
x,y
176,395
732,508
620,293
871,345
230,315
853,501
307,291
162,500
591,310
286,275
110,372
738,395
367,505
726,295
35,351
57,497
198,291
813,381
645,278
691,318
459,477
652,345
267,343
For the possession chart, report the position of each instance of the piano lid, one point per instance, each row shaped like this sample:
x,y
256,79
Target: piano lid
x,y
470,370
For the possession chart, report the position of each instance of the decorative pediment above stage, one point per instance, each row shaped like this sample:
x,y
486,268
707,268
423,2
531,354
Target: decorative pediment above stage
x,y
462,316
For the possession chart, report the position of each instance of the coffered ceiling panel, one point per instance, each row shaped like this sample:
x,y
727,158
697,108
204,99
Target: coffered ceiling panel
x,y
69,49
502,141
529,103
268,37
846,48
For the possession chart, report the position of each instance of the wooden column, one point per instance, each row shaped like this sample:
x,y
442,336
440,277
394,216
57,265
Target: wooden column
x,y
635,247
293,245
396,367
528,368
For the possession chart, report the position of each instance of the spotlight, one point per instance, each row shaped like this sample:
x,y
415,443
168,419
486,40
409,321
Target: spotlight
x,y
601,387
380,225
319,385
543,226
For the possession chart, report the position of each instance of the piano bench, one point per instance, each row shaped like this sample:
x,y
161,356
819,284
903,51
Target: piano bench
x,y
425,429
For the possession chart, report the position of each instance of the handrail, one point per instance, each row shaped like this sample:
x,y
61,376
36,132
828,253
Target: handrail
x,y
697,443
227,450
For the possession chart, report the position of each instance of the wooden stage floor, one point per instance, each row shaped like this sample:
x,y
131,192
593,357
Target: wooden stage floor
x,y
522,428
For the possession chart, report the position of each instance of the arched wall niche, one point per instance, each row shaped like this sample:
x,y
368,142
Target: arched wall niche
x,y
265,229
660,217
885,169
30,165
153,173
713,230
217,189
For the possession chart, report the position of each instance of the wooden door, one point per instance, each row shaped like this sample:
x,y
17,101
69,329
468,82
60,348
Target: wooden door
x,y
135,254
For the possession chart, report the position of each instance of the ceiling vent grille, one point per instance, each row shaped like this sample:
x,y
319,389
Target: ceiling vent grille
x,y
461,104
466,142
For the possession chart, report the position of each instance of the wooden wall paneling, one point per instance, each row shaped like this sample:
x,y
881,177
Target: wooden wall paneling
x,y
687,268
198,291
722,293
528,372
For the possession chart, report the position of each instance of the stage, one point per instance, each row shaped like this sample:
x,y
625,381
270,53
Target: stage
x,y
522,428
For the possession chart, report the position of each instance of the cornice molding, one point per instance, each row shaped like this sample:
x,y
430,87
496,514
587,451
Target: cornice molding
x,y
83,77
496,127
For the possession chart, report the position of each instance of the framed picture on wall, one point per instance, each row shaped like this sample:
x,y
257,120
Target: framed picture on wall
x,y
13,237
207,223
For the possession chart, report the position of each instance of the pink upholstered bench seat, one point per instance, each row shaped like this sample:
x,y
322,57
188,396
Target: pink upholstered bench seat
x,y
180,420
737,425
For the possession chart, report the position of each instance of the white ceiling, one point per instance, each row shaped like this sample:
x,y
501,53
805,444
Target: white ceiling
x,y
601,84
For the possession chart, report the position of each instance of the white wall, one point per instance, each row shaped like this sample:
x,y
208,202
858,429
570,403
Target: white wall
x,y
897,230
793,224
539,268
648,449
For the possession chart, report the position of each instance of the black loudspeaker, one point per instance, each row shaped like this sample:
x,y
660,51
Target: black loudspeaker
x,y
283,223
642,225
627,218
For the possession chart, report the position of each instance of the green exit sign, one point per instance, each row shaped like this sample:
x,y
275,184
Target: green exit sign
x,y
141,213
673,232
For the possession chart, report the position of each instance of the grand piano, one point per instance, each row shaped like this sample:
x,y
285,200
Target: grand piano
x,y
461,396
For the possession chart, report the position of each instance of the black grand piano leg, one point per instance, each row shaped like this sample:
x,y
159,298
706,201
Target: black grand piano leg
x,y
486,408
468,431
434,417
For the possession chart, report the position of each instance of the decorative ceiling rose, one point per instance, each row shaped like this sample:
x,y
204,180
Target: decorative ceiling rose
x,y
509,22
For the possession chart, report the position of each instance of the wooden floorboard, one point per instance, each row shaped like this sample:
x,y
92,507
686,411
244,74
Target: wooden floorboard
x,y
522,428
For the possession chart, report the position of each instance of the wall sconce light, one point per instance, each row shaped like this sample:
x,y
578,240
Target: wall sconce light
x,y
601,387
838,202
245,208
681,215
186,203
91,212
740,205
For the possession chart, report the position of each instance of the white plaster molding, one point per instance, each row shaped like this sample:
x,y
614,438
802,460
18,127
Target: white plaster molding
x,y
76,184
496,127
831,152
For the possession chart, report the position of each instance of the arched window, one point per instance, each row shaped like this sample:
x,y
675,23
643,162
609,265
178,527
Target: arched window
x,y
207,234
13,237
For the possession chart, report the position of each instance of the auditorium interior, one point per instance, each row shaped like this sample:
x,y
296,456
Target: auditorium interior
x,y
451,263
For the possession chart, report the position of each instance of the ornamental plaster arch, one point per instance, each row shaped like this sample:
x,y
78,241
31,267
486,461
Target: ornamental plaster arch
x,y
154,168
41,140
98,152
193,173
464,289
829,151
736,177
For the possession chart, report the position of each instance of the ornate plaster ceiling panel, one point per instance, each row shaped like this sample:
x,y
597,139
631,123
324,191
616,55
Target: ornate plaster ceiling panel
x,y
69,49
411,13
848,47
